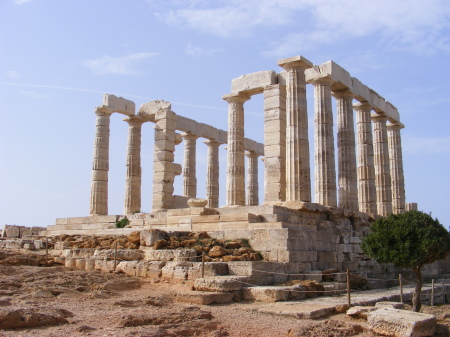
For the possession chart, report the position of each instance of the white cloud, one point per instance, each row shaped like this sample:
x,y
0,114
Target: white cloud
x,y
12,74
34,95
416,25
123,65
21,2
426,145
192,50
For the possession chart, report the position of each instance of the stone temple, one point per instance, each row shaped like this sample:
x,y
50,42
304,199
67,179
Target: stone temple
x,y
289,226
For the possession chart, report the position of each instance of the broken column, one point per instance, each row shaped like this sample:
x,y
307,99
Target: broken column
x,y
252,179
189,165
274,143
382,170
100,165
298,177
347,177
235,188
396,167
133,178
212,173
367,195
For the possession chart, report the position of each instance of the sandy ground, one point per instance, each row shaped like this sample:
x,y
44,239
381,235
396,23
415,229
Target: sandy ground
x,y
102,304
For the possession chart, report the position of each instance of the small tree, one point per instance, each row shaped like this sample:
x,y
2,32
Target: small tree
x,y
411,239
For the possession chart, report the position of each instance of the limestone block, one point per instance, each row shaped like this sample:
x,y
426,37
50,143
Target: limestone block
x,y
122,254
119,104
339,75
80,264
104,265
197,202
171,255
149,236
255,268
39,244
254,83
295,61
60,245
89,264
401,323
79,252
149,110
393,305
211,269
187,125
361,91
378,102
127,267
25,231
360,311
206,131
313,275
392,113
266,294
176,270
219,283
29,246
70,262
12,232
204,298
149,268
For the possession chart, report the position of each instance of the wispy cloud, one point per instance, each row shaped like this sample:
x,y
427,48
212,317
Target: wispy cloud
x,y
21,2
12,74
34,95
419,26
122,65
426,145
192,50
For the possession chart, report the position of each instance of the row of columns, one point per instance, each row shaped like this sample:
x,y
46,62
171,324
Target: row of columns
x,y
164,168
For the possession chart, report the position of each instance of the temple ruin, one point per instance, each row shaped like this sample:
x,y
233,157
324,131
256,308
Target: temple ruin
x,y
290,225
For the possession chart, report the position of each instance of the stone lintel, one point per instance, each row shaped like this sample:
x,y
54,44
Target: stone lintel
x,y
294,62
254,83
150,109
392,113
361,91
119,104
134,119
339,75
378,102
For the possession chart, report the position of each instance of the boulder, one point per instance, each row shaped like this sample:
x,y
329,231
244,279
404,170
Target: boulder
x,y
217,251
401,323
30,318
122,284
134,237
360,311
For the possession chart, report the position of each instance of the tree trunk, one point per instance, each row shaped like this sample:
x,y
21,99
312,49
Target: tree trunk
x,y
416,297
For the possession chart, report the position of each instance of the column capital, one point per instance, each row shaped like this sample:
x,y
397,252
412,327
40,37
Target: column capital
x,y
295,62
344,93
135,119
212,143
189,136
103,111
327,80
362,106
238,97
395,127
378,118
251,154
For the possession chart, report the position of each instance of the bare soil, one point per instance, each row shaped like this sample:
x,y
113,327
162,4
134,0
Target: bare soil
x,y
82,303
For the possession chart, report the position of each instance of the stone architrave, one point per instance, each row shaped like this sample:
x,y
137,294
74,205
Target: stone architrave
x,y
100,164
274,143
347,174
367,195
252,179
235,187
298,176
325,168
164,169
189,165
133,178
396,166
382,170
212,174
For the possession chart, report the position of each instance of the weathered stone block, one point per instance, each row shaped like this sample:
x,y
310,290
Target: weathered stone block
x,y
150,236
266,294
220,283
119,104
254,83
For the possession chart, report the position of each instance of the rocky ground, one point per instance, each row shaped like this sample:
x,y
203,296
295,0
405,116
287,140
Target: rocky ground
x,y
55,301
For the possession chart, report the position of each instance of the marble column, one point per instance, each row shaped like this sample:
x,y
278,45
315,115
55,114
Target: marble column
x,y
396,166
347,174
298,176
212,173
252,179
367,194
325,167
133,178
189,165
100,165
235,186
274,144
382,170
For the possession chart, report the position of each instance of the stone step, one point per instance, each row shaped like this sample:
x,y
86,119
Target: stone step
x,y
208,297
220,283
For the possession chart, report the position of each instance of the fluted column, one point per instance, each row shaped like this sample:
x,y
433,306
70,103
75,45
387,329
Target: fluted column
x,y
212,174
325,169
189,165
382,171
347,176
252,179
133,179
100,165
235,193
367,194
298,176
396,166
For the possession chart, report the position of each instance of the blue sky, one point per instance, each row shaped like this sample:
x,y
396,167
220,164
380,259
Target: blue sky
x,y
59,57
